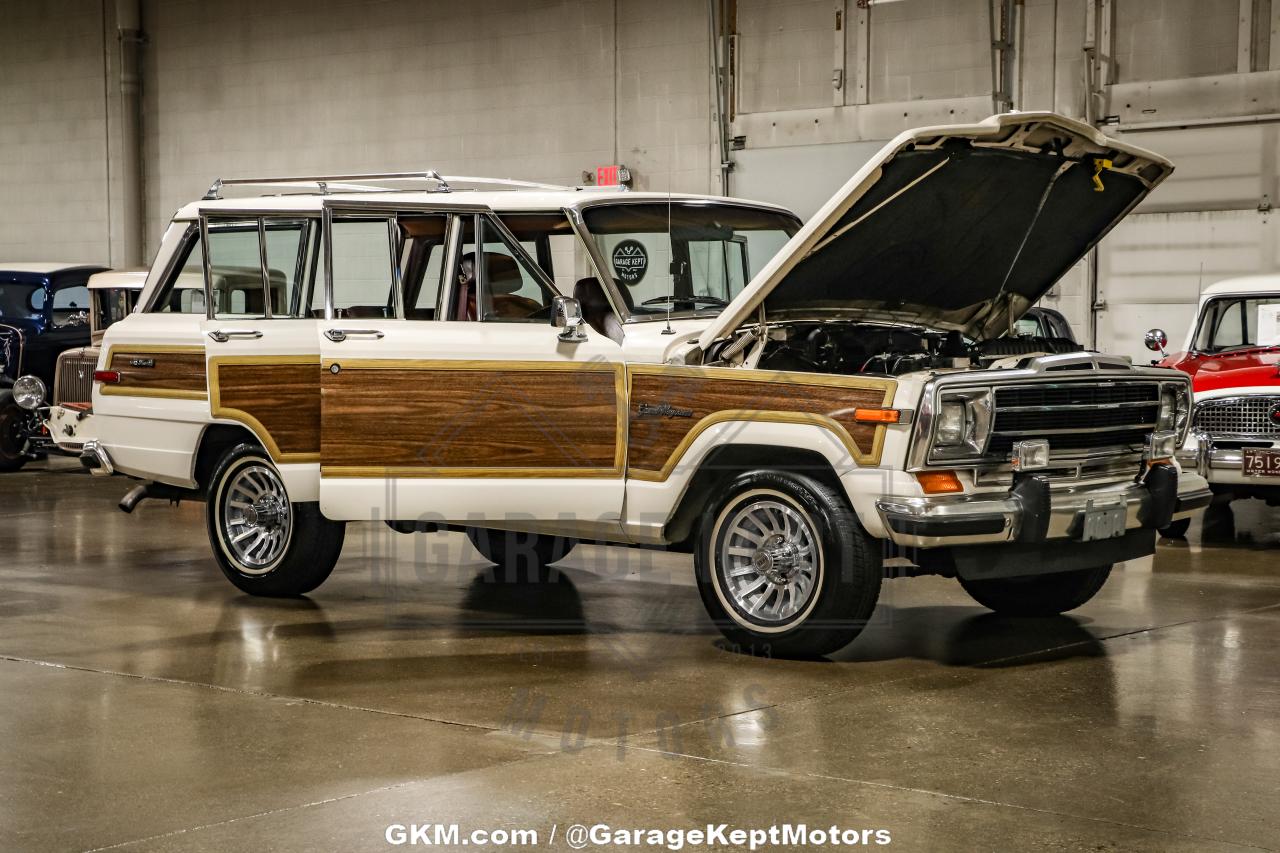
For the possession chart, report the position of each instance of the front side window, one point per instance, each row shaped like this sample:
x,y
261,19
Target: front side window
x,y
684,257
494,284
550,240
1239,323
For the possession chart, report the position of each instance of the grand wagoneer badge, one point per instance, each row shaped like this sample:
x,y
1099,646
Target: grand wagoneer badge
x,y
663,410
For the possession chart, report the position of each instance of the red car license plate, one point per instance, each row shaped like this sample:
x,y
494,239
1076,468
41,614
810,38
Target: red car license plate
x,y
1261,463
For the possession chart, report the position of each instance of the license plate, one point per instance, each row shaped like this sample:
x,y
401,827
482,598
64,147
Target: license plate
x,y
1103,522
1261,463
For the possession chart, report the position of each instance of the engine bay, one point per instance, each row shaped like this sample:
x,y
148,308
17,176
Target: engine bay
x,y
850,347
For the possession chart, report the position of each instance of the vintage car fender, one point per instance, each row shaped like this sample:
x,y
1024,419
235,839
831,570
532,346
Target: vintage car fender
x,y
652,502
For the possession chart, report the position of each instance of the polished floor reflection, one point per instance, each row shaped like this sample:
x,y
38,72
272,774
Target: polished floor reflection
x,y
146,705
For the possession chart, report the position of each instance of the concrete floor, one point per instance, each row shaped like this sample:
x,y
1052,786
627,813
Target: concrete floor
x,y
146,705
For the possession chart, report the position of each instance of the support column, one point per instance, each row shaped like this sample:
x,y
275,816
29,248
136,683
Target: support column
x,y
122,42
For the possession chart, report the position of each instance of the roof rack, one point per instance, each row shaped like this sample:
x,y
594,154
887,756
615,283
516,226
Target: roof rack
x,y
325,184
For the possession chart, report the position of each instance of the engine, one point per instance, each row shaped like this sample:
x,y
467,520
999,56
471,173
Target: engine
x,y
853,348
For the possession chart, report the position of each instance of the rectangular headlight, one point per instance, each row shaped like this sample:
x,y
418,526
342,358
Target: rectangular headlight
x,y
962,423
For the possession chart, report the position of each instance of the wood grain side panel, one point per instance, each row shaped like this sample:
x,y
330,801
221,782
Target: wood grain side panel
x,y
492,419
654,439
282,400
182,372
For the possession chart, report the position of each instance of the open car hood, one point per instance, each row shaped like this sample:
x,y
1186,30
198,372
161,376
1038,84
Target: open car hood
x,y
954,227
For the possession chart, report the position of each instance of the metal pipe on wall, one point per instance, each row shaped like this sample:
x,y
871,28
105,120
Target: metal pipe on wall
x,y
124,139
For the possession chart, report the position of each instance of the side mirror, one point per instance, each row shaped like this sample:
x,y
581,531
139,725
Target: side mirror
x,y
1156,340
566,313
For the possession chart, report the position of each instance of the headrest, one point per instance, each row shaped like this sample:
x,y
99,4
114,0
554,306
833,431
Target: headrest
x,y
501,272
590,295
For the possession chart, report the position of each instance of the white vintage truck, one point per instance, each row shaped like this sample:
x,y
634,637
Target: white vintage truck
x,y
539,365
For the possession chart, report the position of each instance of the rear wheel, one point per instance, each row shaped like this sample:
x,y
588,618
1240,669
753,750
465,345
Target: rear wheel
x,y
519,553
1038,595
13,436
265,544
784,568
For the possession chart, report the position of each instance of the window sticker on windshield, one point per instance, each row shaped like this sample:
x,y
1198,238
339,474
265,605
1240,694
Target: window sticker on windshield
x,y
630,261
1268,324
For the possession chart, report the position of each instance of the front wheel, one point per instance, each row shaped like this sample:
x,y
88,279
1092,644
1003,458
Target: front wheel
x,y
13,436
783,566
265,544
1038,595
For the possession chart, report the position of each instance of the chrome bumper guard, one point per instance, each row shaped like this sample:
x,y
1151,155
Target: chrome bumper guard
x,y
95,457
1034,512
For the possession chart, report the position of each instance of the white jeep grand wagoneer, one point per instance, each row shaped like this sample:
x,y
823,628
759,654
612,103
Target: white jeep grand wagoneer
x,y
538,365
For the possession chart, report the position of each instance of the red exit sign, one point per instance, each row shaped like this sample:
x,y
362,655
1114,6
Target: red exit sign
x,y
612,176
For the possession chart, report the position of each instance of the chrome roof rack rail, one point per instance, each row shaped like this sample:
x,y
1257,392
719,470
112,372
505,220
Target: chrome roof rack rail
x,y
325,184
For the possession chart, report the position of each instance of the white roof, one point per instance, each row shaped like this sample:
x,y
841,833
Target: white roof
x,y
133,279
499,200
1245,284
45,268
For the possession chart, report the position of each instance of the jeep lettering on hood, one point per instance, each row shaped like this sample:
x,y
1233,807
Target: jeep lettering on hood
x,y
955,228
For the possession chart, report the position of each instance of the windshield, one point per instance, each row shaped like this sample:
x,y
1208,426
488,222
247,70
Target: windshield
x,y
24,301
1238,322
684,257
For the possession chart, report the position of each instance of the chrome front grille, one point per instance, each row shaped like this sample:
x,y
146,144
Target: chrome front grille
x,y
1075,416
10,352
73,382
1238,416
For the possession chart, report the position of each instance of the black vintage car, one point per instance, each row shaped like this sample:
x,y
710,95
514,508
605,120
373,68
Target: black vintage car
x,y
44,309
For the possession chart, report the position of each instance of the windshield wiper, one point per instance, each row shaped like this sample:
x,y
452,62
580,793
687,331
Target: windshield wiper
x,y
708,300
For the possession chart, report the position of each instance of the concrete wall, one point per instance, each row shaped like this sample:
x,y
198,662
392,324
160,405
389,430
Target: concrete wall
x,y
541,90
53,166
534,90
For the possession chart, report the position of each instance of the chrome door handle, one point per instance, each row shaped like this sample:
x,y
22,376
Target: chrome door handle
x,y
339,335
224,335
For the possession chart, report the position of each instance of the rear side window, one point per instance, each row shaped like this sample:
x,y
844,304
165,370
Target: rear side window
x,y
363,279
236,255
71,306
183,292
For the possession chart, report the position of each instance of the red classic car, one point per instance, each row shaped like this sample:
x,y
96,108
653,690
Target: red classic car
x,y
1232,353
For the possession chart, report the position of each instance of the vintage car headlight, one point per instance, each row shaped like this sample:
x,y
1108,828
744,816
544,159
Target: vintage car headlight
x,y
29,392
962,424
1175,408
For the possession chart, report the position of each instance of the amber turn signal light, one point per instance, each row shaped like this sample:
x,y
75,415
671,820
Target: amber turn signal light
x,y
939,482
106,376
877,416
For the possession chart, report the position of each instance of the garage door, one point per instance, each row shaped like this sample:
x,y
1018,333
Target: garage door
x,y
1152,266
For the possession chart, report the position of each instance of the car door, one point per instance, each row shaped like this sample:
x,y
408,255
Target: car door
x,y
261,336
472,410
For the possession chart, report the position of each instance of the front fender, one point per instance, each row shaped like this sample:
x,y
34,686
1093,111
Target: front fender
x,y
654,496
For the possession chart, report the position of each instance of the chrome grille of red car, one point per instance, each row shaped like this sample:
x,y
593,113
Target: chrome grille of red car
x,y
1239,416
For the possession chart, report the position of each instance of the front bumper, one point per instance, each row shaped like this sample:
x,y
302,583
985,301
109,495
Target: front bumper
x,y
1033,511
70,426
1224,465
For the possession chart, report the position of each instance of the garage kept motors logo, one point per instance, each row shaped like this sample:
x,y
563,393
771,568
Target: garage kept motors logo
x,y
630,260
